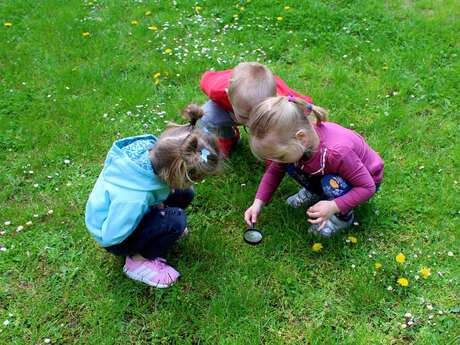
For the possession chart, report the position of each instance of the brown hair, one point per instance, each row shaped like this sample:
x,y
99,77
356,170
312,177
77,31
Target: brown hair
x,y
185,154
274,123
251,83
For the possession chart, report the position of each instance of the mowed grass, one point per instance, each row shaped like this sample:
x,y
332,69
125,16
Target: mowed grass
x,y
388,69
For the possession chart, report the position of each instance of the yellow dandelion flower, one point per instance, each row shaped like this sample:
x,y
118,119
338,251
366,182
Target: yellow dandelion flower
x,y
198,8
352,239
168,51
7,24
85,34
148,13
317,247
286,8
425,272
279,18
400,258
153,28
134,22
403,282
378,266
157,75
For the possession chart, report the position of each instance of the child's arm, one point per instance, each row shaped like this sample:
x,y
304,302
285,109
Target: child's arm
x,y
214,85
121,221
267,186
350,167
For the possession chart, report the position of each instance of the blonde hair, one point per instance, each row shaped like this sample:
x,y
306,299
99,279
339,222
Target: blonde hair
x,y
251,83
274,123
185,154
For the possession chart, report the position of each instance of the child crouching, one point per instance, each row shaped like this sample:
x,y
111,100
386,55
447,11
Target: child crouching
x,y
136,208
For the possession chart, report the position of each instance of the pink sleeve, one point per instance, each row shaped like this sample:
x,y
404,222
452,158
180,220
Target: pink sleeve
x,y
270,181
351,168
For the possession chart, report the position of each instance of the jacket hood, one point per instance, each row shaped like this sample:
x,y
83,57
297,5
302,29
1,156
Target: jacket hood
x,y
120,170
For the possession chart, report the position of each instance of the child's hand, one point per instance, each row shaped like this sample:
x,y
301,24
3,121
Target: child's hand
x,y
252,213
322,211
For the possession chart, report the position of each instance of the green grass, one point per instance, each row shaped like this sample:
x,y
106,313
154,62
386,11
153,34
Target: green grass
x,y
389,69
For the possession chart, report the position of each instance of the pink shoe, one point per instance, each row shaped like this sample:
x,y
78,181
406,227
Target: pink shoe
x,y
152,272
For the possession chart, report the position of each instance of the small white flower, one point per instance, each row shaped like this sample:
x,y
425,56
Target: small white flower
x,y
353,266
403,326
66,161
429,307
47,340
2,233
36,185
50,212
440,312
35,215
31,172
8,222
408,315
450,253
2,249
410,323
390,288
19,228
10,315
430,316
6,322
417,277
29,223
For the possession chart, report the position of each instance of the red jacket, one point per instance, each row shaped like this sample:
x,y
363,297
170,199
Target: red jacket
x,y
214,85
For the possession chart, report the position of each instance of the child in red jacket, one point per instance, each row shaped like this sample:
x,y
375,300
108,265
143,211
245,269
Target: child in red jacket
x,y
232,94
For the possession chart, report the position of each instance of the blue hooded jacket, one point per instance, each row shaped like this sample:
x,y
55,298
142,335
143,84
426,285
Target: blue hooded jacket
x,y
122,195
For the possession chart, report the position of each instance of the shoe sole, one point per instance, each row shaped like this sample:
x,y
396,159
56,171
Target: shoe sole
x,y
142,279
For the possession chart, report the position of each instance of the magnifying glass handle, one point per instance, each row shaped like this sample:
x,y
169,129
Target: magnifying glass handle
x,y
252,225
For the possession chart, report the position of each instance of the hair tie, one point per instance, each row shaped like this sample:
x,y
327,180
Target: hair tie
x,y
204,153
291,98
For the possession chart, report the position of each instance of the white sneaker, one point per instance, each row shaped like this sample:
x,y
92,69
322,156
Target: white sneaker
x,y
303,198
332,227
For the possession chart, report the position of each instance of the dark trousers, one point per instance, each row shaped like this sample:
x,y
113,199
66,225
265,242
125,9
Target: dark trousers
x,y
159,229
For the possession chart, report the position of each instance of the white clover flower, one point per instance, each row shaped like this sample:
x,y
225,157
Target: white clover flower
x,y
8,222
19,228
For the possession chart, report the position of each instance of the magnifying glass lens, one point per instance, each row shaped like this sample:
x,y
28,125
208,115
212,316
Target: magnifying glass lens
x,y
253,236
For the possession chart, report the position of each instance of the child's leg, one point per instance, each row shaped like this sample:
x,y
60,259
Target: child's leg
x,y
311,191
156,233
220,122
180,198
333,187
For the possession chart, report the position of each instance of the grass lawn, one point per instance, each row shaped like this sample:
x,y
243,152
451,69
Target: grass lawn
x,y
76,75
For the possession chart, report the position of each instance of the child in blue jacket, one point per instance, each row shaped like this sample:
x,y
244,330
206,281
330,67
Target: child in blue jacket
x,y
136,208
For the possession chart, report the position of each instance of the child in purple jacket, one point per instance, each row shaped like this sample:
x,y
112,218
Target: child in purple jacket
x,y
336,167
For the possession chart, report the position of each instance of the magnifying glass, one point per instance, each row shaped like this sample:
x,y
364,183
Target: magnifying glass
x,y
252,235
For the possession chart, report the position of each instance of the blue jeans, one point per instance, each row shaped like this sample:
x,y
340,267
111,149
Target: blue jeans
x,y
217,120
159,229
328,187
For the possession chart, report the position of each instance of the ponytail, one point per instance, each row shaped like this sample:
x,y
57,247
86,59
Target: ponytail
x,y
192,113
319,112
185,154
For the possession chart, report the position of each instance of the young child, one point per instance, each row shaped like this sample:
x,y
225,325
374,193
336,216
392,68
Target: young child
x,y
233,93
330,161
136,208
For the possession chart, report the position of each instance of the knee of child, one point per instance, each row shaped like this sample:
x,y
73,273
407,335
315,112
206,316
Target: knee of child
x,y
188,196
176,219
334,186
